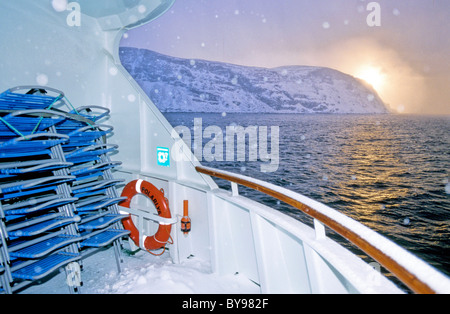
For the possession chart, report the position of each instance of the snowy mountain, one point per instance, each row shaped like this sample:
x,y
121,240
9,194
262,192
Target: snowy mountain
x,y
184,85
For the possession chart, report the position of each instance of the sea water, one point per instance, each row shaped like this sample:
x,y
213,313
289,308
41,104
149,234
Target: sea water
x,y
389,172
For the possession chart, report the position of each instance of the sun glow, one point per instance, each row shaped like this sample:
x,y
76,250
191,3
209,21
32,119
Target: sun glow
x,y
373,76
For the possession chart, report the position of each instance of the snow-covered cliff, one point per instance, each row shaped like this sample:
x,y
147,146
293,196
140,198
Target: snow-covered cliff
x,y
184,85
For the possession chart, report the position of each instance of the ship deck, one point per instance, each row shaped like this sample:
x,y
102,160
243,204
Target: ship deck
x,y
143,273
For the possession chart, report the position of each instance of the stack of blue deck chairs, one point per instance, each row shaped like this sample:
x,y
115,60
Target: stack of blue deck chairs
x,y
58,199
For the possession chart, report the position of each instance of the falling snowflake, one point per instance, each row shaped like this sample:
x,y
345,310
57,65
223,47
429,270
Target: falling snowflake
x,y
42,79
113,71
59,5
142,8
37,269
131,98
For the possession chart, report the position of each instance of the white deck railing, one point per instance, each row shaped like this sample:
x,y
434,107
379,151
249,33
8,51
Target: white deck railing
x,y
409,269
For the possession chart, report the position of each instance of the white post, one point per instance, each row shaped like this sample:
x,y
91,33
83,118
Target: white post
x,y
320,230
234,189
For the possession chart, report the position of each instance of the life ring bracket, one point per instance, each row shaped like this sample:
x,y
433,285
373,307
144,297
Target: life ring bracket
x,y
143,213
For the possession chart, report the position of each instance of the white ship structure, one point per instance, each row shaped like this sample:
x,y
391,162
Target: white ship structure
x,y
86,163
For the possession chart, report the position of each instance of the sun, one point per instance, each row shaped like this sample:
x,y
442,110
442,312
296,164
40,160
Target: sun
x,y
372,75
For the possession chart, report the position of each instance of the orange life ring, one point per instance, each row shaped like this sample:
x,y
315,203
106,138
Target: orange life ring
x,y
161,237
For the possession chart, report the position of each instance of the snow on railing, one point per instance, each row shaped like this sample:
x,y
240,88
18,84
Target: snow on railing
x,y
412,271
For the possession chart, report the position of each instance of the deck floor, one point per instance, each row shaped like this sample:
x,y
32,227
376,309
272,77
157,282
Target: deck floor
x,y
144,273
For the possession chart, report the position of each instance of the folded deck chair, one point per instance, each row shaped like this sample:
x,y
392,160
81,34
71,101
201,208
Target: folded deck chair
x,y
29,97
36,144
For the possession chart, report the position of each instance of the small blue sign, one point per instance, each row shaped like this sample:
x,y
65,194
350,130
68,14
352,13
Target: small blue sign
x,y
163,156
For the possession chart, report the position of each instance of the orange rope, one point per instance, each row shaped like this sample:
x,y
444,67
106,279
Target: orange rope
x,y
170,241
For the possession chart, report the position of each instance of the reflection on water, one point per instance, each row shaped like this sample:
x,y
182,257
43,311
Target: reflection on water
x,y
388,172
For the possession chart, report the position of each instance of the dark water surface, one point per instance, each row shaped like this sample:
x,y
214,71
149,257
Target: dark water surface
x,y
389,172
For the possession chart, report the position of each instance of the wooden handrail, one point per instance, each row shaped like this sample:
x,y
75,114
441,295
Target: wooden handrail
x,y
288,197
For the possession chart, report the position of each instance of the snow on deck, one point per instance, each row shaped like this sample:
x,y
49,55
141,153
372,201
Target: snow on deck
x,y
144,273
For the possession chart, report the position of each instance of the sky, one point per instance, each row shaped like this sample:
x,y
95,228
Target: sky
x,y
401,47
